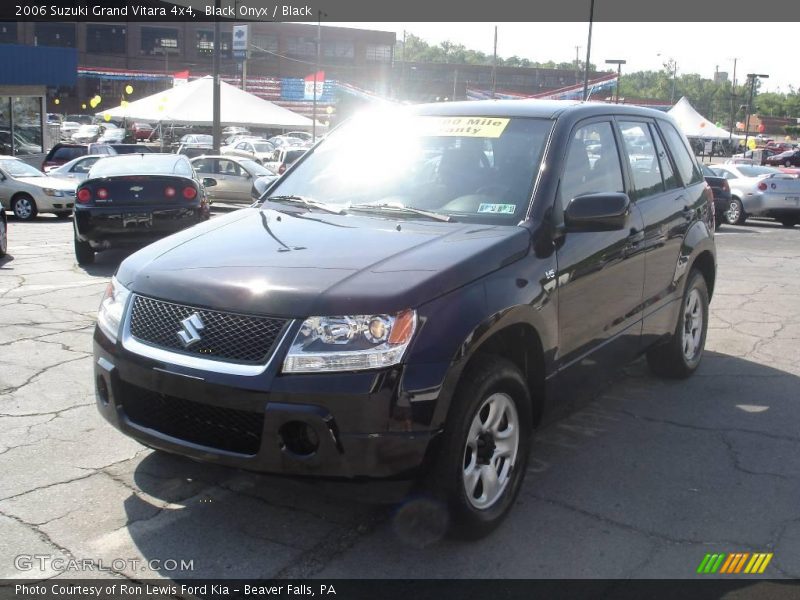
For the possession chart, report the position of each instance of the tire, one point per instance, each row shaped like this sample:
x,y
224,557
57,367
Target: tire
x,y
492,382
735,214
24,207
63,214
84,254
788,163
3,236
680,356
790,222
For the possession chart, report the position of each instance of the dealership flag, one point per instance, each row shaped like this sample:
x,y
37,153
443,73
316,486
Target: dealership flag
x,y
309,87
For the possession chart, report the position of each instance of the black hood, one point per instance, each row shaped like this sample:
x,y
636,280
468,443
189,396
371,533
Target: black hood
x,y
313,263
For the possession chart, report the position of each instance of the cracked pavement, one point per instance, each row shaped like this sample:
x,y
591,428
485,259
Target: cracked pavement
x,y
639,480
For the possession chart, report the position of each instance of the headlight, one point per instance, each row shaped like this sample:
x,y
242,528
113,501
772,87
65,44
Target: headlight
x,y
52,192
350,343
109,317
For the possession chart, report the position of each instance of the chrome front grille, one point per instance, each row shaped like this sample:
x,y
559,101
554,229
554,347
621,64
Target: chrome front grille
x,y
221,336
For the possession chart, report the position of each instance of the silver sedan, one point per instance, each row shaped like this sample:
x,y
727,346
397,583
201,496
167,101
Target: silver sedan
x,y
761,192
77,169
235,177
27,191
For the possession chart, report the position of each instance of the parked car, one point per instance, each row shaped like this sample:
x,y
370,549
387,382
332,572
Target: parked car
x,y
283,158
86,134
77,169
260,151
300,135
722,195
233,130
778,147
3,234
142,131
68,128
82,119
193,151
26,191
111,134
789,158
196,139
366,321
132,148
761,192
235,177
64,152
135,199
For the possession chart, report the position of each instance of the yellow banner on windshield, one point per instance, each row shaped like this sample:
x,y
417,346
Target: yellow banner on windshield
x,y
485,127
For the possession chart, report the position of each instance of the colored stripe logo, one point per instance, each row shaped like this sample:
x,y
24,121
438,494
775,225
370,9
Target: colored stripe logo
x,y
735,563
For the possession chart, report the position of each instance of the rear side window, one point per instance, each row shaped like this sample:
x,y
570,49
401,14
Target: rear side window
x,y
670,179
592,163
645,168
67,153
685,162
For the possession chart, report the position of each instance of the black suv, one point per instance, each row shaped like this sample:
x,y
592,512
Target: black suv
x,y
412,295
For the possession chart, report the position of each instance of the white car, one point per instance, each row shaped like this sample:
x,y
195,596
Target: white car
x,y
760,192
284,157
86,134
260,151
26,191
68,128
111,134
77,169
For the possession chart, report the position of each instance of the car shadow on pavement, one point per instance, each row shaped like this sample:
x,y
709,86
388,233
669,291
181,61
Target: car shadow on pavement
x,y
639,480
106,262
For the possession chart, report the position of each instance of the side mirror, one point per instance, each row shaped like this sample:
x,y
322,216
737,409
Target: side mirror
x,y
209,182
598,212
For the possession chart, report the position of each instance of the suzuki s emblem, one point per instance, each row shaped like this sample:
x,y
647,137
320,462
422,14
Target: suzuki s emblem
x,y
137,188
190,335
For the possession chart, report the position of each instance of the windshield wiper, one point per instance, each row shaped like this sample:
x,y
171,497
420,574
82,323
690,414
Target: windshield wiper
x,y
391,207
307,202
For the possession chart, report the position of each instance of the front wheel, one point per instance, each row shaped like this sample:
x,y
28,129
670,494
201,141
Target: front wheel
x,y
681,356
3,236
24,208
485,446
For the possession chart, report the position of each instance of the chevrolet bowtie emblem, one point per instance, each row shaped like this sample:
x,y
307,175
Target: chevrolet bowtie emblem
x,y
192,325
137,188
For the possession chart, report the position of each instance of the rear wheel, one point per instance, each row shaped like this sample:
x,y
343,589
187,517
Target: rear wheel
x,y
681,356
790,221
84,254
3,236
485,446
24,207
734,214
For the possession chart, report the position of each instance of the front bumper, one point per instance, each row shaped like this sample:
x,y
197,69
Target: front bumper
x,y
252,422
106,227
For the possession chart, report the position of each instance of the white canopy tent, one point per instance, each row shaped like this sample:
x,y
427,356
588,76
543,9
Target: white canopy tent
x,y
192,104
695,125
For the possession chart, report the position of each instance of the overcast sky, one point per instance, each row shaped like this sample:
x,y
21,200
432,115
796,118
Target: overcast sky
x,y
697,47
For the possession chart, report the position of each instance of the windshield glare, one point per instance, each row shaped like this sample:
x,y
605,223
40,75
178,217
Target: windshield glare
x,y
756,171
479,169
17,168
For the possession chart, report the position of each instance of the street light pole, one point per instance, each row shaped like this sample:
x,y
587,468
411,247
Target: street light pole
x,y
216,129
588,54
752,77
619,62
733,99
316,73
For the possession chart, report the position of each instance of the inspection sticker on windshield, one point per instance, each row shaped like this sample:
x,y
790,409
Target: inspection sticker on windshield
x,y
500,209
485,127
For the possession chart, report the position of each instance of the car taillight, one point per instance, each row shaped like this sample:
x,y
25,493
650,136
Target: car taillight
x,y
725,186
84,195
762,186
102,193
169,191
282,169
189,192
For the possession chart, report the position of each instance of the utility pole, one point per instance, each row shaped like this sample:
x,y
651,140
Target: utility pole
x,y
494,64
588,54
733,100
752,77
216,129
316,74
577,64
619,62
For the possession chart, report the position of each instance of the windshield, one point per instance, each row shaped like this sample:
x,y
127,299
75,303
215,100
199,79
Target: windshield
x,y
478,169
263,147
17,168
747,171
254,168
132,164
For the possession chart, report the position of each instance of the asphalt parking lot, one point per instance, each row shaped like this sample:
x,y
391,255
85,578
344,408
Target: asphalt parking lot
x,y
640,481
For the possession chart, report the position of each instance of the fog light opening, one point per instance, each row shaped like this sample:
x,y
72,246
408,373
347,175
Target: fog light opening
x,y
102,390
299,438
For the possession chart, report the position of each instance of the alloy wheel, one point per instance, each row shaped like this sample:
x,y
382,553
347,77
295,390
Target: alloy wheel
x,y
733,212
692,325
491,451
23,208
